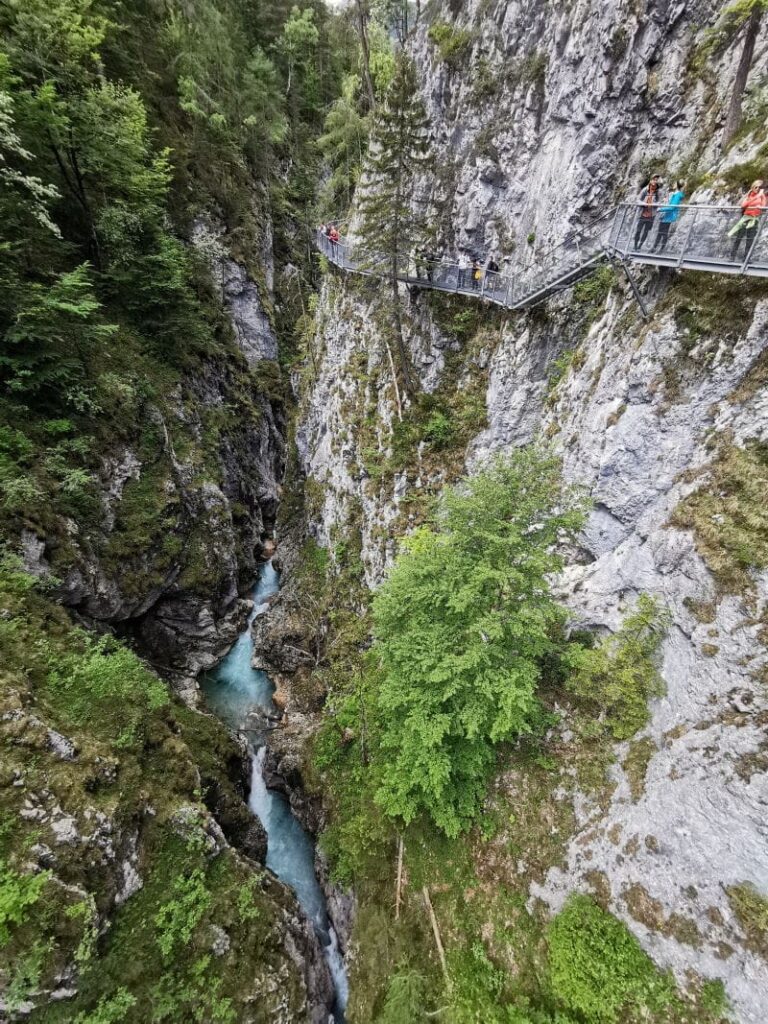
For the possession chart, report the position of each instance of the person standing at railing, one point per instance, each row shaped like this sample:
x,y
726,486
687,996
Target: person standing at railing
x,y
420,261
648,200
491,274
333,237
668,215
477,274
464,265
753,207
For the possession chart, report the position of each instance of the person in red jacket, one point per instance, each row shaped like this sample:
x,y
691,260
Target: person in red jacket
x,y
753,206
333,237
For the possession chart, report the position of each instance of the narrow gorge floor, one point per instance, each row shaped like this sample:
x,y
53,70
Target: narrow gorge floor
x,y
241,697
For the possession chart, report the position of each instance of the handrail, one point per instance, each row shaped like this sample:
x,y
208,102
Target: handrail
x,y
691,236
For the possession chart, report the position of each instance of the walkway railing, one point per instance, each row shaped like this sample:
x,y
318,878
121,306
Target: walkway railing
x,y
699,238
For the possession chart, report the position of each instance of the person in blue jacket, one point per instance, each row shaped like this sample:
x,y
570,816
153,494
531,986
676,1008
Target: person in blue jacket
x,y
669,214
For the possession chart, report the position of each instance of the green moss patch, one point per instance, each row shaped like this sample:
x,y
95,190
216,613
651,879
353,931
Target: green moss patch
x,y
727,516
751,908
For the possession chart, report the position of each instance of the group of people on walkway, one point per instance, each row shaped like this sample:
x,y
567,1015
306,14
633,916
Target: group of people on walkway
x,y
665,212
472,274
656,207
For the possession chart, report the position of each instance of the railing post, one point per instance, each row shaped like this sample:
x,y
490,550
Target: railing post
x,y
751,247
615,243
693,211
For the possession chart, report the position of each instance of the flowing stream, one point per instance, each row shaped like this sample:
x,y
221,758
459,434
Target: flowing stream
x,y
234,690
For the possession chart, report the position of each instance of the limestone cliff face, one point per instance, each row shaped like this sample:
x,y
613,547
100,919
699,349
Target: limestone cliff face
x,y
548,117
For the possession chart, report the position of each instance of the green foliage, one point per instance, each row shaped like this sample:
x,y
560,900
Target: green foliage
x,y
344,144
439,430
18,892
105,685
751,908
111,1009
529,70
592,292
727,516
405,999
177,919
54,332
452,43
247,902
620,675
461,626
598,969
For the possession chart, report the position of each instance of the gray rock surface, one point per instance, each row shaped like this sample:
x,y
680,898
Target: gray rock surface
x,y
636,419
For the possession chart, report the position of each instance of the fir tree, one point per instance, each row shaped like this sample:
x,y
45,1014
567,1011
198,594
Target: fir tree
x,y
398,150
746,14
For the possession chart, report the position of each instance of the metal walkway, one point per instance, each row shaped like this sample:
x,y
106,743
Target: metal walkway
x,y
699,239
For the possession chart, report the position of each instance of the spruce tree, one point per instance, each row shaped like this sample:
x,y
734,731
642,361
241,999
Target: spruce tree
x,y
398,150
747,14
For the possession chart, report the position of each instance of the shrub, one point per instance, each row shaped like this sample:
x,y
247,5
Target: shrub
x,y
727,516
17,894
439,431
598,969
111,1009
451,42
620,674
177,919
104,685
751,909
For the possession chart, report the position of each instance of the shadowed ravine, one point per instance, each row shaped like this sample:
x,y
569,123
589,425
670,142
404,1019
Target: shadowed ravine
x,y
234,690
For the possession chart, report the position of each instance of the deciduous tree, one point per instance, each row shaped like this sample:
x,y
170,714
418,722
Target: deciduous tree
x,y
461,626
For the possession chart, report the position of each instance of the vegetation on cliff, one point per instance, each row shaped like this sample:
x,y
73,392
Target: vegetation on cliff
x,y
123,127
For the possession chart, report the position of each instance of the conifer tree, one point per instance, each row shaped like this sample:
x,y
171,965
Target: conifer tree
x,y
398,150
746,14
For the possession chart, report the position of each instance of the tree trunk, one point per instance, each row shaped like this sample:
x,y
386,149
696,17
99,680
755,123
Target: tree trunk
x,y
396,386
436,933
362,25
733,119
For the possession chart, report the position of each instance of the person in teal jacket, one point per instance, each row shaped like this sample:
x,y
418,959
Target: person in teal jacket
x,y
669,214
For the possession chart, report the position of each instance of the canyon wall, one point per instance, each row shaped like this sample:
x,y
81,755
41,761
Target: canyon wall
x,y
542,118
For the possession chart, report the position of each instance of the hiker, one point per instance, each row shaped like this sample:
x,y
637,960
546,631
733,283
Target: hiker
x,y
648,200
492,267
420,258
333,235
432,259
753,206
669,214
464,265
477,274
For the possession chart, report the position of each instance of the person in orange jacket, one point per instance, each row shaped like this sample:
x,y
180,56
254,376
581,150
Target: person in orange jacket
x,y
753,206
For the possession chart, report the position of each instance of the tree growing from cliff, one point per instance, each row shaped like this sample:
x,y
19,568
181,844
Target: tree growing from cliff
x,y
746,15
398,150
461,626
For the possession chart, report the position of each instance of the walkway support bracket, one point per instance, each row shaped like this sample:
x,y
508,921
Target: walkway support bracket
x,y
633,285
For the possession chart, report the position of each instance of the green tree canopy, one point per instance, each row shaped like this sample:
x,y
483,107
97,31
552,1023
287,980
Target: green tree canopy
x,y
461,626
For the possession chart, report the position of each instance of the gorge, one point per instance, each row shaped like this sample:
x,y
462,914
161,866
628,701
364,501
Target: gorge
x,y
494,750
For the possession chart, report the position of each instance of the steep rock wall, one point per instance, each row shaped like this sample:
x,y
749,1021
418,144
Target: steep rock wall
x,y
542,124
